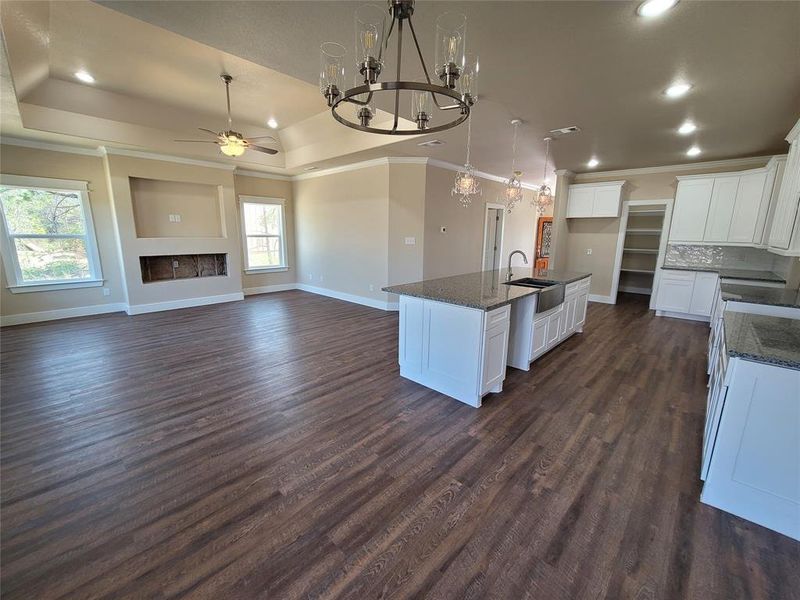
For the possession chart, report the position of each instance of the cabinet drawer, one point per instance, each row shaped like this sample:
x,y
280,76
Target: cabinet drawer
x,y
496,317
572,288
678,275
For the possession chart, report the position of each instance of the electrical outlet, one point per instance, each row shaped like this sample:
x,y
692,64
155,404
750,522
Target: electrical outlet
x,y
311,277
321,278
106,292
371,288
588,251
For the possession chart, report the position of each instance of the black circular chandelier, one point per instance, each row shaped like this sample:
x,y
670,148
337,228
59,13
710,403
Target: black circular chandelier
x,y
456,70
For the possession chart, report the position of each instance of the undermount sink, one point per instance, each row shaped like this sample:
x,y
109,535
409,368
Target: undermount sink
x,y
531,282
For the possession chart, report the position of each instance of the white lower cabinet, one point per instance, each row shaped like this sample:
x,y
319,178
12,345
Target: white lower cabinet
x,y
533,334
456,350
686,294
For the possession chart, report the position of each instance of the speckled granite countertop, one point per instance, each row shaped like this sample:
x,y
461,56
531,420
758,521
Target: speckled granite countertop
x,y
771,340
753,294
483,290
726,273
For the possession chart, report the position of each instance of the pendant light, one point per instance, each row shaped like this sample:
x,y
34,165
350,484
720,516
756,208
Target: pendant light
x,y
544,195
512,193
466,184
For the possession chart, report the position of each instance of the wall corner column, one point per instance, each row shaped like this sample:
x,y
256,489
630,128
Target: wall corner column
x,y
558,248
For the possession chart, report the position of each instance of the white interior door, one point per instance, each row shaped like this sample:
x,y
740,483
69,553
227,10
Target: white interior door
x,y
493,237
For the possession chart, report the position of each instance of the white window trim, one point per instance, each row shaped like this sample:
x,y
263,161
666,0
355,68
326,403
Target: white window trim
x,y
13,271
246,260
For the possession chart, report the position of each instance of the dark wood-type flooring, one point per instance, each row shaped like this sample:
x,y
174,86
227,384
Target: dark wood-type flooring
x,y
269,449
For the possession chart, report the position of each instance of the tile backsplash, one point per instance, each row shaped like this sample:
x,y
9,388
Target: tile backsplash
x,y
732,257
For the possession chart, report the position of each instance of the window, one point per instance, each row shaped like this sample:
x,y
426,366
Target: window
x,y
264,233
48,238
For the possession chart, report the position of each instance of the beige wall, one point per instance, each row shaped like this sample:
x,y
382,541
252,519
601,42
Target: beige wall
x,y
17,160
406,220
459,249
197,205
342,236
271,188
600,235
118,170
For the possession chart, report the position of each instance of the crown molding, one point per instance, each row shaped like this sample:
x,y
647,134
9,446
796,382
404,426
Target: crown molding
x,y
39,145
105,150
364,164
731,162
482,174
262,174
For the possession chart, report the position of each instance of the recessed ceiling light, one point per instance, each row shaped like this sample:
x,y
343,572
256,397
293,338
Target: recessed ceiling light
x,y
653,8
272,123
676,90
693,151
687,128
593,163
84,76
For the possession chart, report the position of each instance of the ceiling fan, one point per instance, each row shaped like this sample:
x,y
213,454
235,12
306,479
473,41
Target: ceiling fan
x,y
232,143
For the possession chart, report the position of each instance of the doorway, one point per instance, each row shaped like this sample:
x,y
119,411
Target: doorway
x,y
493,224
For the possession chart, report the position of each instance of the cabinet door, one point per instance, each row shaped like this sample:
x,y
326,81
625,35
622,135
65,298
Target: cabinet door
x,y
539,337
747,209
580,202
675,294
554,328
783,221
568,322
691,210
720,212
495,348
606,202
703,294
581,302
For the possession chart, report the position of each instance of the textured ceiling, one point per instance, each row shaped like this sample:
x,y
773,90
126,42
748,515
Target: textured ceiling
x,y
592,64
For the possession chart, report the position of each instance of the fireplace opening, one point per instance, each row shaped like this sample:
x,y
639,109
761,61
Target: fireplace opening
x,y
182,266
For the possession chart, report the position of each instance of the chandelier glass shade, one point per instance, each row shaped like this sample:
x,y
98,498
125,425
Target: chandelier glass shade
x,y
512,193
466,185
440,102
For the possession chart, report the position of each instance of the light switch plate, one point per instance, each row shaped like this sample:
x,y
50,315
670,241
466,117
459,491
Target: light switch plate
x,y
411,241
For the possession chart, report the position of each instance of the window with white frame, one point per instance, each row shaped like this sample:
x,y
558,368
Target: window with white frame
x,y
263,233
47,234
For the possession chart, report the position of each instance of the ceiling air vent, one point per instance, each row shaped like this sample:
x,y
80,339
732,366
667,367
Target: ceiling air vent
x,y
565,130
431,143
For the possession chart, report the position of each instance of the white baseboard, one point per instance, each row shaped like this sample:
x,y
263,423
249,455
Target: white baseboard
x,y
371,302
677,315
268,289
138,309
601,299
62,313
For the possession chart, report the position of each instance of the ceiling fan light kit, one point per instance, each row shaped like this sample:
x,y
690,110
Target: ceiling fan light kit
x,y
451,97
232,143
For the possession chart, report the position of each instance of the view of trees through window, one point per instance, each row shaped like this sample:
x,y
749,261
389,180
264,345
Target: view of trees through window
x,y
48,233
263,232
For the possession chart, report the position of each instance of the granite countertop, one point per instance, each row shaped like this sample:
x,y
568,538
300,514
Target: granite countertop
x,y
727,273
484,290
753,294
760,338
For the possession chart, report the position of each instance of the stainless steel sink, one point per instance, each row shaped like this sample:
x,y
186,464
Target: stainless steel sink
x,y
550,296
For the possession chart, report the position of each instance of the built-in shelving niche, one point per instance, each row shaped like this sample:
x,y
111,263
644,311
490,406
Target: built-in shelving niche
x,y
182,266
640,252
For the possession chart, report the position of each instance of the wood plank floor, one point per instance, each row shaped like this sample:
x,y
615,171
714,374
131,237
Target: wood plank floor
x,y
269,449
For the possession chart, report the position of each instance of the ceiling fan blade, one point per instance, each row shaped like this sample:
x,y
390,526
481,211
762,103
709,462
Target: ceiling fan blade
x,y
197,141
260,137
214,133
262,149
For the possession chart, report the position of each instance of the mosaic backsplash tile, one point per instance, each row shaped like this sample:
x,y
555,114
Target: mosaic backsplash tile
x,y
732,257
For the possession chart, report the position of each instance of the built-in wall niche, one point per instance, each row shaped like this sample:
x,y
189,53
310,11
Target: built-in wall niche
x,y
182,266
176,209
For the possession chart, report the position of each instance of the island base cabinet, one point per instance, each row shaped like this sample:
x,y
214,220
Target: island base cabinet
x,y
754,469
456,350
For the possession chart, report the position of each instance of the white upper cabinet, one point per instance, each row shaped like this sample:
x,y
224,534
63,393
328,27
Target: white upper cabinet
x,y
750,197
784,235
720,212
691,210
595,199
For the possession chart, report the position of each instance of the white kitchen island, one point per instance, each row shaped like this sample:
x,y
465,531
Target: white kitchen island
x,y
455,331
